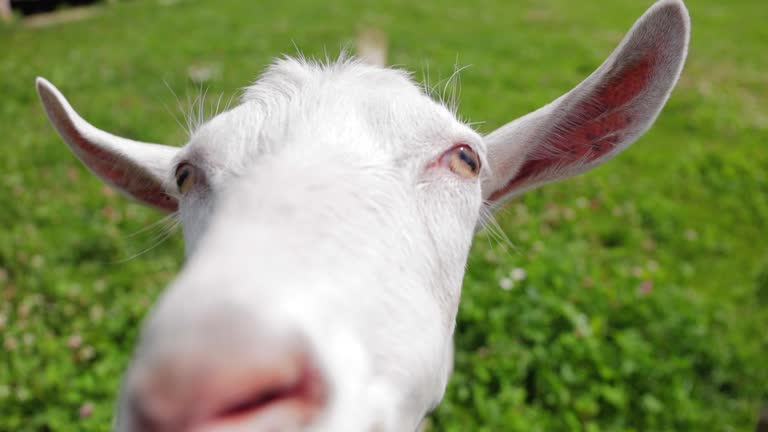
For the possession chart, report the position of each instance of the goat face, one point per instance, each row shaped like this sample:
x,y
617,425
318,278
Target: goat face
x,y
327,219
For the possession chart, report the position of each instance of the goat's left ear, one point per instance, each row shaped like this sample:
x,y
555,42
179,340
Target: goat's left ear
x,y
600,117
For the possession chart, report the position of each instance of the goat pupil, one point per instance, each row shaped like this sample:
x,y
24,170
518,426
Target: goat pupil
x,y
468,159
182,176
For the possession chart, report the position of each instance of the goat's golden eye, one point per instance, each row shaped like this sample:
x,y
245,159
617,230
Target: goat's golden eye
x,y
185,177
463,161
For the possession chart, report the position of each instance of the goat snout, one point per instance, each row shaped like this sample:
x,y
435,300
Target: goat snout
x,y
207,392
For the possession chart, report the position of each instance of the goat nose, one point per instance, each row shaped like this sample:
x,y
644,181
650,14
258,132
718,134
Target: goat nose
x,y
211,391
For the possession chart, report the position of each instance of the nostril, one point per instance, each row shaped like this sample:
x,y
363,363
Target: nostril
x,y
196,395
255,402
305,392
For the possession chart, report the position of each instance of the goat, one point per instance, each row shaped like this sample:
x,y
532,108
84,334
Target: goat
x,y
327,220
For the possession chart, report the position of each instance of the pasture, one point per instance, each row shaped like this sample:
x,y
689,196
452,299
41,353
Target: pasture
x,y
632,298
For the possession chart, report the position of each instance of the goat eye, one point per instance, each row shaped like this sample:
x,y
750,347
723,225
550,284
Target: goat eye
x,y
185,177
463,161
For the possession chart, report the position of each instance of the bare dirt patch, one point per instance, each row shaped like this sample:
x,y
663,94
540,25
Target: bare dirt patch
x,y
49,19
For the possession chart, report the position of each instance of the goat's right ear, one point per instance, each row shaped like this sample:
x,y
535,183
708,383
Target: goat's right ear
x,y
136,169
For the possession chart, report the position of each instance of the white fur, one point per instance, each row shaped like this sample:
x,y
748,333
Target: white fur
x,y
325,222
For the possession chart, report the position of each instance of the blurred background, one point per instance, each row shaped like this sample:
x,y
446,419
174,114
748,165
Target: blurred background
x,y
634,298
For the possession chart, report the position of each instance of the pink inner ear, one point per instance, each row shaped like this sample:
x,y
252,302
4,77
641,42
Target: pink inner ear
x,y
592,127
105,165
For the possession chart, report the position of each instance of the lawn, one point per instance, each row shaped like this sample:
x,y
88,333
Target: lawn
x,y
633,298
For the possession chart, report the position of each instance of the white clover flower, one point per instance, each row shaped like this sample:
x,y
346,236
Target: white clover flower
x,y
518,274
506,284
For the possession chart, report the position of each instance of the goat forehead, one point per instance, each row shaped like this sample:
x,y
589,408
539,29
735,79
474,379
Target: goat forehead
x,y
307,208
345,106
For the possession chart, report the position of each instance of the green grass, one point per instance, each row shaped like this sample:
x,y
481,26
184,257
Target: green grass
x,y
645,300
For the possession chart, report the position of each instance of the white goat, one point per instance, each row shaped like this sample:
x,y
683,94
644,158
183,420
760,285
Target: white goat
x,y
327,220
